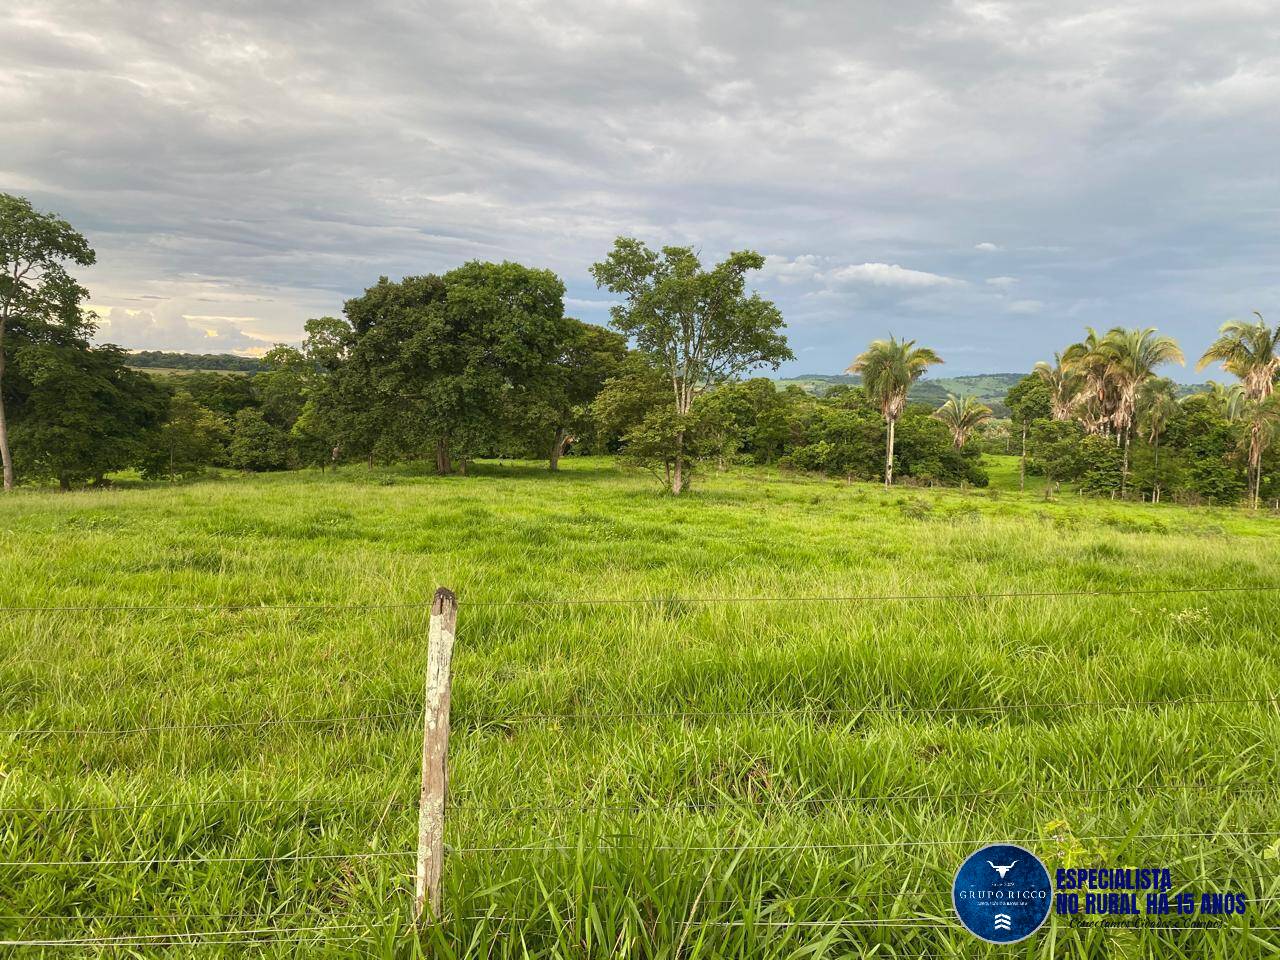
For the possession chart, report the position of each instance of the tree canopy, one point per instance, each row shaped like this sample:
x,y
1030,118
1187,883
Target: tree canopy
x,y
698,327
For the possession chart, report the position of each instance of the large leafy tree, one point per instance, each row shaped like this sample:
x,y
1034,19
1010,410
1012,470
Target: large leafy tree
x,y
318,431
84,412
552,410
888,369
36,289
431,361
697,327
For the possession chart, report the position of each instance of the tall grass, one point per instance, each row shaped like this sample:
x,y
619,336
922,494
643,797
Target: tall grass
x,y
782,778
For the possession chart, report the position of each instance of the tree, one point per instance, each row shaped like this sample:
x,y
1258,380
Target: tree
x,y
280,389
552,409
84,412
1064,386
1090,361
1132,357
191,438
257,445
1261,420
962,416
1056,451
432,361
698,327
35,287
1251,351
888,369
1028,400
1206,442
1157,405
634,406
226,394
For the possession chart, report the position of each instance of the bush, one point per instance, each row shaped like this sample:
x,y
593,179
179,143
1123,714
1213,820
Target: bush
x,y
1100,465
848,439
256,445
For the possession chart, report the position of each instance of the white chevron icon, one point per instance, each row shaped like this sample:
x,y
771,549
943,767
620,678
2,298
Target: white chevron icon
x,y
1003,921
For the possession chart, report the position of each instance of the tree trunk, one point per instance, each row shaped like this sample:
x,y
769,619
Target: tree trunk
x,y
888,455
557,449
4,423
1022,463
677,477
370,459
1155,480
64,483
1256,456
1124,467
443,464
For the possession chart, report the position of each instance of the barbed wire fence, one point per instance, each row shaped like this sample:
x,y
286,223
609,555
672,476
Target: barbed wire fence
x,y
429,855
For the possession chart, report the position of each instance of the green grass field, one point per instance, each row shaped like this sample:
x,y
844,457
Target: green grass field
x,y
677,778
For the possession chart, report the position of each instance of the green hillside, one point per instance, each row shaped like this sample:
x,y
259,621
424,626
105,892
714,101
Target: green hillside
x,y
990,388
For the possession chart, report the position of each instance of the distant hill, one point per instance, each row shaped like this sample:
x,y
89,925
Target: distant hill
x,y
171,362
990,388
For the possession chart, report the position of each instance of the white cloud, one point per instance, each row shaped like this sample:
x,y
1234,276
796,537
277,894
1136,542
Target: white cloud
x,y
1001,282
805,267
987,247
161,328
1025,306
891,275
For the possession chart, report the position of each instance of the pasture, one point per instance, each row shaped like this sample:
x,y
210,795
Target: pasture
x,y
233,762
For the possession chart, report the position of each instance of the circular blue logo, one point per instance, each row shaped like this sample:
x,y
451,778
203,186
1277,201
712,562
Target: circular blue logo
x,y
1002,893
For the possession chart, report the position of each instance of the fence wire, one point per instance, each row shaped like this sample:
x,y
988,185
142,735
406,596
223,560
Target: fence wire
x,y
342,932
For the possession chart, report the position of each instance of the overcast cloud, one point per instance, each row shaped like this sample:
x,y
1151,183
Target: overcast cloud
x,y
987,177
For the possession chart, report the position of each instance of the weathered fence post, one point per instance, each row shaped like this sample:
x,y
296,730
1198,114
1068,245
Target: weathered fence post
x,y
435,754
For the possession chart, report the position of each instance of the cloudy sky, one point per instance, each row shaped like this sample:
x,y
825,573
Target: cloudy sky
x,y
988,177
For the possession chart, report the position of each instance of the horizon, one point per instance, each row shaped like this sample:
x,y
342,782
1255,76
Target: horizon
x,y
771,375
986,178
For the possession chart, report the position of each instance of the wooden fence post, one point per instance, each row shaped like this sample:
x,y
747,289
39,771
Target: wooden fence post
x,y
435,754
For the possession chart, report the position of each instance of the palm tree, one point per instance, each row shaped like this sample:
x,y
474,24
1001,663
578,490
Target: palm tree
x,y
1226,400
1261,417
1064,386
1132,357
962,417
1089,363
1157,405
1251,351
888,369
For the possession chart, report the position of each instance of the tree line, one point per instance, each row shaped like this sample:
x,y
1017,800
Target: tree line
x,y
482,361
1098,416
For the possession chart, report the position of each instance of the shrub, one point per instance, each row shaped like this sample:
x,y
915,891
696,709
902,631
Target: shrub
x,y
256,445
